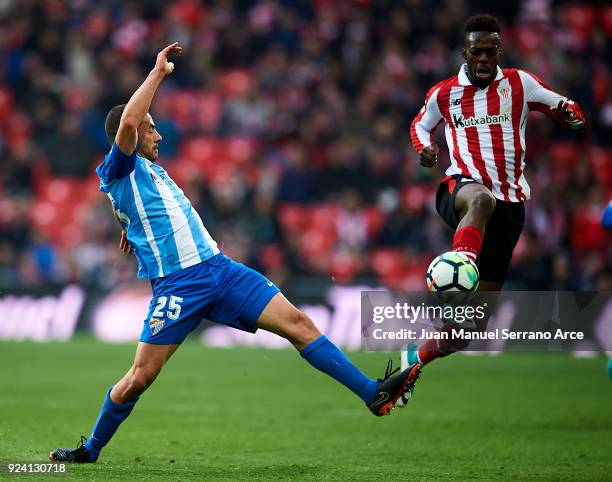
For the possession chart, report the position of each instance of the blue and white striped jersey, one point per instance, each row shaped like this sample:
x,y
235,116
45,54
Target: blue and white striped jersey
x,y
165,231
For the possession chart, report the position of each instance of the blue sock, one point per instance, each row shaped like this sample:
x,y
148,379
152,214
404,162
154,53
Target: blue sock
x,y
110,417
327,357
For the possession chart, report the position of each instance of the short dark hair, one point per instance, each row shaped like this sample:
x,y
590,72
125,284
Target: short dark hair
x,y
482,23
111,124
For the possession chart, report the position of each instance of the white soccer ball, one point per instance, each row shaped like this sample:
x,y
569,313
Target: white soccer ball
x,y
453,276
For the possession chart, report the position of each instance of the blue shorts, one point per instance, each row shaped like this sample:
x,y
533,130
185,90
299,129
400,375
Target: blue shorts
x,y
217,289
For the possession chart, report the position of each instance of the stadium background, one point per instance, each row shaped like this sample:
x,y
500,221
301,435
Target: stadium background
x,y
286,123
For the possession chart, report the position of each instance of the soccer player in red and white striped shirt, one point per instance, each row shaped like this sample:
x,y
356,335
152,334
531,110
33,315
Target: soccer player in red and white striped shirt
x,y
485,110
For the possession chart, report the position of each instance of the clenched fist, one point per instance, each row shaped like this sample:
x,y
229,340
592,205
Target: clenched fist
x,y
429,155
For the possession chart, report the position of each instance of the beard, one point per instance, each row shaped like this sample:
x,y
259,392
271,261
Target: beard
x,y
150,153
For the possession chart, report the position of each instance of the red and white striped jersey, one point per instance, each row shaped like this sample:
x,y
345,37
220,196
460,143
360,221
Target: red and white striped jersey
x,y
485,128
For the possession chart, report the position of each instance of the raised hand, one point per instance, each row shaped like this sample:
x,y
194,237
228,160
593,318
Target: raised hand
x,y
162,64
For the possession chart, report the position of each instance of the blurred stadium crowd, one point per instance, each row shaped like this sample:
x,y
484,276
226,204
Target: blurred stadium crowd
x,y
287,124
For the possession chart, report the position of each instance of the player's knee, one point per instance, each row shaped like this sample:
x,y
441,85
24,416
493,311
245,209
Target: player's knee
x,y
301,329
483,203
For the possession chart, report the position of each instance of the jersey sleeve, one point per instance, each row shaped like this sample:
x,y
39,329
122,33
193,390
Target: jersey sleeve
x,y
116,165
541,98
426,121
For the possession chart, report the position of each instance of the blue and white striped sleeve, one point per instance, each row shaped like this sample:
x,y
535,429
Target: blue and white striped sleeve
x,y
116,164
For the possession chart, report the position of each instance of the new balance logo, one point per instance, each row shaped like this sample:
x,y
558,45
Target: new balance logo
x,y
456,101
460,121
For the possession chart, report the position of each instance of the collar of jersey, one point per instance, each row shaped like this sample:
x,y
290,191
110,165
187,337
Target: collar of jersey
x,y
463,78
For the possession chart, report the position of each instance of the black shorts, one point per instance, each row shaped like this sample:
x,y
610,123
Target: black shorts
x,y
501,235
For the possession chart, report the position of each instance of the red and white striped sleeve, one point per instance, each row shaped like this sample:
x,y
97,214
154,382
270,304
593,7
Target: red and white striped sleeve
x,y
424,124
541,98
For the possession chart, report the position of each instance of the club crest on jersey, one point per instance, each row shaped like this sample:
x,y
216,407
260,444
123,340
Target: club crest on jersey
x,y
156,325
461,121
504,92
122,217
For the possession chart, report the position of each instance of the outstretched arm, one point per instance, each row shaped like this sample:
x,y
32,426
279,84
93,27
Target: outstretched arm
x,y
539,97
139,103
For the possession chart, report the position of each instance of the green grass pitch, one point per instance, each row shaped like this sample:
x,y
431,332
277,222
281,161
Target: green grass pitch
x,y
245,413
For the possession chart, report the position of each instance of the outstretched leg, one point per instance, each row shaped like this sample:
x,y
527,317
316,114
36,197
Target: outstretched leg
x,y
284,319
119,401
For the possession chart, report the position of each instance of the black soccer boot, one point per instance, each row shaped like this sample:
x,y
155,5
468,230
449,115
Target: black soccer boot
x,y
79,455
391,388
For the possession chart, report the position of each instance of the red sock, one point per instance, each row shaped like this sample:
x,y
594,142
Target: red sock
x,y
468,241
430,350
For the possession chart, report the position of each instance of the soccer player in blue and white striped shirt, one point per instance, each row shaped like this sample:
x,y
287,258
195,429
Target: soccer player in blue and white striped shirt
x,y
191,279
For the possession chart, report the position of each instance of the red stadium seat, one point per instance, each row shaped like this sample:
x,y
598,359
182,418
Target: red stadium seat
x,y
43,214
564,155
64,201
71,235
600,160
605,17
186,12
292,217
586,231
19,129
208,110
375,220
182,105
344,267
387,261
580,18
241,149
415,197
397,271
205,153
183,170
271,257
324,217
315,242
6,104
235,83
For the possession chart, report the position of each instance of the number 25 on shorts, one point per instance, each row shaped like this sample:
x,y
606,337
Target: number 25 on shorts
x,y
174,307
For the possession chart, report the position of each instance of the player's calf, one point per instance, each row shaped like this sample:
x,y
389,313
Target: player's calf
x,y
134,383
